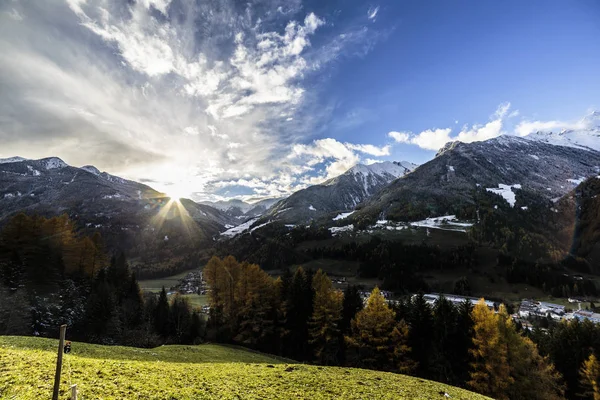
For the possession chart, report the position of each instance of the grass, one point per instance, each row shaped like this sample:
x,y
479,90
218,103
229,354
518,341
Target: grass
x,y
196,300
194,372
156,285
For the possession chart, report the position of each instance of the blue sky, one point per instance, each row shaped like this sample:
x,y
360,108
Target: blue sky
x,y
220,98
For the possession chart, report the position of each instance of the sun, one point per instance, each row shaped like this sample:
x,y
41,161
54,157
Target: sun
x,y
176,193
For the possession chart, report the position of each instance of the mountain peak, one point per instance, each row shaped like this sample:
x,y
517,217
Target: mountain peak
x,y
12,160
91,169
53,163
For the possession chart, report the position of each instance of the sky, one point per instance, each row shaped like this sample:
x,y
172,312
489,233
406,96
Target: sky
x,y
217,99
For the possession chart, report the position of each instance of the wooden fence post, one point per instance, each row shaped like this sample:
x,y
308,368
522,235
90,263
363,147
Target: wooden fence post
x,y
61,345
74,392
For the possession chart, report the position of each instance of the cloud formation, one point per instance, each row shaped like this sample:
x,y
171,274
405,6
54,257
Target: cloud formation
x,y
192,94
434,139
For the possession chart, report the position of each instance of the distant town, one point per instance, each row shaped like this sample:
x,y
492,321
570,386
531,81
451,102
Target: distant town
x,y
193,283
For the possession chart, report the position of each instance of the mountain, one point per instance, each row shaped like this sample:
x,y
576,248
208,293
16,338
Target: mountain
x,y
578,214
342,193
508,166
241,209
128,214
587,139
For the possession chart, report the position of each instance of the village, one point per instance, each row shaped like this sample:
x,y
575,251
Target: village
x,y
528,309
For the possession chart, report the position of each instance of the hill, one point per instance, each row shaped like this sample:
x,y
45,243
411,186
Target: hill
x,y
199,372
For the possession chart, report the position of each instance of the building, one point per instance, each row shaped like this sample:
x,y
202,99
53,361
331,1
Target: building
x,y
431,298
533,308
583,315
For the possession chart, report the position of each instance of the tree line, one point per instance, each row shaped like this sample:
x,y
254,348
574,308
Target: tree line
x,y
51,274
302,316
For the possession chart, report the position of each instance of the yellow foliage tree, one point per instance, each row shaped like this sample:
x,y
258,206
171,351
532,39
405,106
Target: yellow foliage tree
x,y
508,365
490,372
377,339
590,377
325,334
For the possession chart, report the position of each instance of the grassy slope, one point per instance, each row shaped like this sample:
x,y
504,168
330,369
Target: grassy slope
x,y
193,372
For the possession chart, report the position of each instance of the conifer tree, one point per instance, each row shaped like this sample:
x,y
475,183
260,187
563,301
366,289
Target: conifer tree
x,y
376,340
162,314
325,322
590,377
490,371
352,304
420,320
298,310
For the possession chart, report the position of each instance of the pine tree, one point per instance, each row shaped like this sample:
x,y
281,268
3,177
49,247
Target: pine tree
x,y
445,332
590,377
180,319
420,320
352,304
298,310
463,343
325,322
162,314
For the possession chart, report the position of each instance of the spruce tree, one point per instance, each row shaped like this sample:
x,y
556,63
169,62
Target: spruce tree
x,y
420,320
162,314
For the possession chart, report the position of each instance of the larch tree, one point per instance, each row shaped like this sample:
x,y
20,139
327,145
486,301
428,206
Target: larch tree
x,y
376,338
590,377
324,326
490,374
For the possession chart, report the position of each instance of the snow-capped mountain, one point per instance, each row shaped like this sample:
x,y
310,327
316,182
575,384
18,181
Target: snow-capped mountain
x,y
241,209
507,165
342,193
587,138
123,211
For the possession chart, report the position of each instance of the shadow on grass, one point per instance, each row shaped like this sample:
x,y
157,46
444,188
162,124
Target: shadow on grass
x,y
203,353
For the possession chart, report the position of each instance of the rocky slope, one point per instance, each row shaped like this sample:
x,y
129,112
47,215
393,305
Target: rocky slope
x,y
130,215
342,193
508,166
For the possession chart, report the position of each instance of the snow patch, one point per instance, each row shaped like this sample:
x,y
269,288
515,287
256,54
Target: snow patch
x,y
91,169
260,226
53,163
239,229
506,192
338,229
33,171
12,160
577,181
445,222
451,168
343,215
534,156
311,208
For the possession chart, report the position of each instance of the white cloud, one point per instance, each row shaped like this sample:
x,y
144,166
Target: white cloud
x,y
526,127
370,149
172,91
372,13
338,156
400,137
434,139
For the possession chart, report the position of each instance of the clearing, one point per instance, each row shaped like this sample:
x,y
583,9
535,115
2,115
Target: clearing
x,y
194,372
